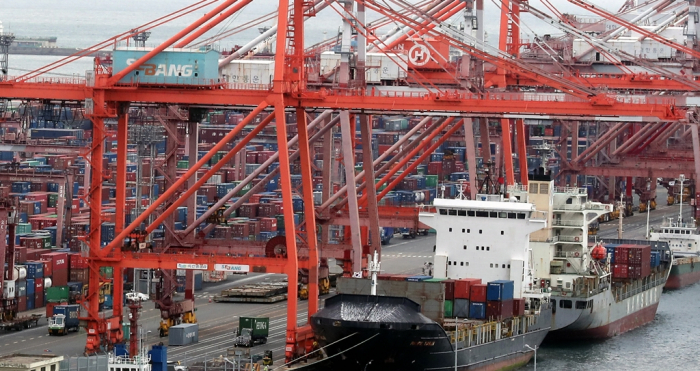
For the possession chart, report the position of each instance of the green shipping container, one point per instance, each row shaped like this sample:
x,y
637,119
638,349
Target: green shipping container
x,y
431,181
47,240
435,280
449,305
52,200
24,228
244,190
57,294
107,272
280,222
183,164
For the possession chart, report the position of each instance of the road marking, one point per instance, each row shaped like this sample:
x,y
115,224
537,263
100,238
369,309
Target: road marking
x,y
31,338
41,336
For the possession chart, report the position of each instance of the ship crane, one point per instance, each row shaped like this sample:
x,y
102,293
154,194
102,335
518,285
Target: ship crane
x,y
106,98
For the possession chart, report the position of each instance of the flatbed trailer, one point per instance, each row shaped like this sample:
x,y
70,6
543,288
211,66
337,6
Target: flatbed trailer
x,y
21,323
269,292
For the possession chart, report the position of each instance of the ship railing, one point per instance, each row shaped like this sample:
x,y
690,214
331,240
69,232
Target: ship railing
x,y
571,238
517,187
544,239
567,223
597,206
52,80
571,190
571,207
568,254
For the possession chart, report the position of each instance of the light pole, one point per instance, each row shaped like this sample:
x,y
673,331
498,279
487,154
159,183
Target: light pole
x,y
535,357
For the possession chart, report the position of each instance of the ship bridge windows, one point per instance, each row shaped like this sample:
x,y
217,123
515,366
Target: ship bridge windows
x,y
493,214
462,212
521,215
452,212
580,304
470,213
565,304
443,211
503,214
511,216
482,214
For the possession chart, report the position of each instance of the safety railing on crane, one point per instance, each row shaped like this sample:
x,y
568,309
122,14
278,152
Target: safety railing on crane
x,y
52,80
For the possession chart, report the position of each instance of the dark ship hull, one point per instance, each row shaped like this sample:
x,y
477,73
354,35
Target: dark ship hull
x,y
364,332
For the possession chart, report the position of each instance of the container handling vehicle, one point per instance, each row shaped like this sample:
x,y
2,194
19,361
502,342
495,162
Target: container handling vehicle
x,y
64,319
252,331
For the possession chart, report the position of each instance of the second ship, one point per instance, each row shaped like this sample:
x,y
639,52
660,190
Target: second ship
x,y
598,290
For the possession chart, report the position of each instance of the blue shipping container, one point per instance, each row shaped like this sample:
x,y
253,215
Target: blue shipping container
x,y
477,310
190,67
35,270
499,290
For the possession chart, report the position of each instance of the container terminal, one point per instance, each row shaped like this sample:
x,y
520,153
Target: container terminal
x,y
168,169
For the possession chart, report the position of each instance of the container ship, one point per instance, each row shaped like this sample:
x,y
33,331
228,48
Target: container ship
x,y
598,291
478,311
682,238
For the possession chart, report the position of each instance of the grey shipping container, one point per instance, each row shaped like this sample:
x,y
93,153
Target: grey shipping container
x,y
461,308
183,334
430,295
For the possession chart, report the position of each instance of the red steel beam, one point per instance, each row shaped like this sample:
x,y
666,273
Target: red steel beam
x,y
507,151
522,150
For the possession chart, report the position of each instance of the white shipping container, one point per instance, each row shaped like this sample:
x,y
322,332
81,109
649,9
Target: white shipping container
x,y
20,273
392,66
215,179
249,72
8,289
47,282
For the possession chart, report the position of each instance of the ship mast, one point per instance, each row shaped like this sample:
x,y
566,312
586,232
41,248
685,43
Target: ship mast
x,y
374,268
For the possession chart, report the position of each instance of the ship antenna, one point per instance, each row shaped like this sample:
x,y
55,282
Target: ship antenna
x,y
442,191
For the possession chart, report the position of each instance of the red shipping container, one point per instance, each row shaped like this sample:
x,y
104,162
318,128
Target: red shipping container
x,y
60,277
255,199
77,261
34,254
449,289
48,267
21,303
251,157
435,168
20,254
39,293
268,224
499,309
253,228
518,307
620,270
249,210
385,277
39,298
240,230
59,260
621,254
79,275
477,293
462,287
